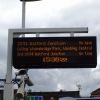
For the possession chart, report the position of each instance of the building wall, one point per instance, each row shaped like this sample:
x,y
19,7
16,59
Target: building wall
x,y
47,95
55,95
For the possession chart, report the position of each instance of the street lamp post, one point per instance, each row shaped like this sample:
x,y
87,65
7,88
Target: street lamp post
x,y
23,13
23,10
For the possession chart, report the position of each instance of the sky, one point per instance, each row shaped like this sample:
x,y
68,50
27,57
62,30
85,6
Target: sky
x,y
54,14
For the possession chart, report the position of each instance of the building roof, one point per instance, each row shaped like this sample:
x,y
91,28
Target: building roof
x,y
96,92
57,93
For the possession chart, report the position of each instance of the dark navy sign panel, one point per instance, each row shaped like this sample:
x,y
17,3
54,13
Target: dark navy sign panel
x,y
54,52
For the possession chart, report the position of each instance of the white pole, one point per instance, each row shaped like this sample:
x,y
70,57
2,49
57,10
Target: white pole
x,y
23,13
37,34
23,35
8,87
71,34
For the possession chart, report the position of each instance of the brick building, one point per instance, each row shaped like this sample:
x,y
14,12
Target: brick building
x,y
96,93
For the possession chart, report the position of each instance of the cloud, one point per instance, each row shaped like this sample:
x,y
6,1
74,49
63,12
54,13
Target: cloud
x,y
3,47
82,14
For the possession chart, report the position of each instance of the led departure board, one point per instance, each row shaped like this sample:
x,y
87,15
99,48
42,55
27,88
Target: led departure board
x,y
54,52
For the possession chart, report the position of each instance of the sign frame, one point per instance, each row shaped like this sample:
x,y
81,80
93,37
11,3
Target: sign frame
x,y
16,33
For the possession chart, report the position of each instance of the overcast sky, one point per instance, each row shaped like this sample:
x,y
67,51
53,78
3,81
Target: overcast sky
x,y
47,14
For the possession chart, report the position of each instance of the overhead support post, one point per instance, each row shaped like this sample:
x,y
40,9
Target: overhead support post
x,y
23,13
8,87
